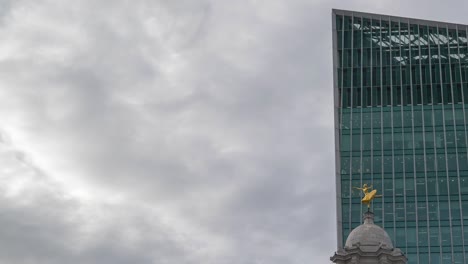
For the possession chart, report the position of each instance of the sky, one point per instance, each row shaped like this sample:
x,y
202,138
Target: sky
x,y
172,131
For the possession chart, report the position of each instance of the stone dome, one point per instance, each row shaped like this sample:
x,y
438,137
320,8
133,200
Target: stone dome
x,y
369,234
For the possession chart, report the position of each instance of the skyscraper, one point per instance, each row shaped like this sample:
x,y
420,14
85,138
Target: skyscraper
x,y
401,93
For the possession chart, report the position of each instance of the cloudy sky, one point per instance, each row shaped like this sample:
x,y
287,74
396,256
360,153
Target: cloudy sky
x,y
171,131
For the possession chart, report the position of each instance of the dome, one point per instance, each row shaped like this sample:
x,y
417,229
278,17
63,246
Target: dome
x,y
369,234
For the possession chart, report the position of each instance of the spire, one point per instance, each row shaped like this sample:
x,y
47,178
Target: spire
x,y
368,217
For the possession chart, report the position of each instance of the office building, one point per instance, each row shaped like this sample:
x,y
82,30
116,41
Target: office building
x,y
400,93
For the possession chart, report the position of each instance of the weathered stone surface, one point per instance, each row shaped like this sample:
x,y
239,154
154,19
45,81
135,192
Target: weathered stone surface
x,y
368,244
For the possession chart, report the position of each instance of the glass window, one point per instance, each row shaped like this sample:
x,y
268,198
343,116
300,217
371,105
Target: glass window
x,y
419,163
348,23
455,70
422,237
417,117
453,187
377,164
464,189
356,144
434,236
451,162
428,117
436,93
430,163
347,58
366,165
407,95
444,211
427,94
357,23
345,142
346,100
462,162
399,188
355,212
377,97
345,189
347,78
356,165
356,77
429,139
405,78
445,236
407,118
417,97
400,232
357,39
396,118
457,257
409,185
448,116
366,62
418,140
339,39
377,142
376,120
412,258
366,139
465,93
421,187
356,118
357,98
457,94
438,117
441,162
459,117
397,95
339,22
408,140
366,97
388,188
347,39
443,190
450,139
387,119
398,141
385,75
431,186
398,164
387,141
346,120
425,74
445,69
389,215
376,60
411,236
345,165
387,164
460,139
409,164
433,211
455,206
439,141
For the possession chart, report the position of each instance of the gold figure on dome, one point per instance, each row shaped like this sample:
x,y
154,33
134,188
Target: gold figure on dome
x,y
369,194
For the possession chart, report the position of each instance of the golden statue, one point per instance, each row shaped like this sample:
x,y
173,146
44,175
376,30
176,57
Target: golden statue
x,y
368,194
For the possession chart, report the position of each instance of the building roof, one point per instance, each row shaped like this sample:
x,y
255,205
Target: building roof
x,y
369,235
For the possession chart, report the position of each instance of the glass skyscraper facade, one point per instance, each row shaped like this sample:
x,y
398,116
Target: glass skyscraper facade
x,y
401,99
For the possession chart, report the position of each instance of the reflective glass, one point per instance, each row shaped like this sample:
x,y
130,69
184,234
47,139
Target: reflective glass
x,y
403,90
